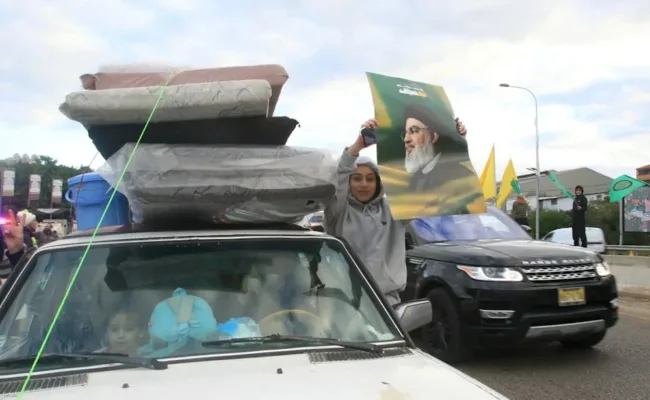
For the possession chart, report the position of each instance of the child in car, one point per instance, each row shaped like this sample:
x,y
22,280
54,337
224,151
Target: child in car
x,y
126,331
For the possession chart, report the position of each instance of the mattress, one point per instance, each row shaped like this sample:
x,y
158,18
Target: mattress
x,y
275,75
273,131
223,184
179,103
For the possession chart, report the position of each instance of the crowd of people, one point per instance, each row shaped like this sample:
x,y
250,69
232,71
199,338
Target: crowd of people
x,y
20,233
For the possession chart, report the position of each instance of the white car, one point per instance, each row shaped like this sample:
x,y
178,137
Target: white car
x,y
275,314
595,238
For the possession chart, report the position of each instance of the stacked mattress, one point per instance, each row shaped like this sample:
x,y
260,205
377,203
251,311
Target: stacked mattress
x,y
223,184
116,102
212,151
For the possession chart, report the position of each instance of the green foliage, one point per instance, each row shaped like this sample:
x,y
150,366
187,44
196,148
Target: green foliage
x,y
49,169
601,214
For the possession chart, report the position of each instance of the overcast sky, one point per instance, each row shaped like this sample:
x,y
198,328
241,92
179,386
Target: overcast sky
x,y
587,61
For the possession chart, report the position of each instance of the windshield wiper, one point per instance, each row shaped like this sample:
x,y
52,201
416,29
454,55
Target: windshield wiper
x,y
149,363
277,338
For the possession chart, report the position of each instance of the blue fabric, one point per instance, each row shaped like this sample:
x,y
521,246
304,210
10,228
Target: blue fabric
x,y
164,326
240,327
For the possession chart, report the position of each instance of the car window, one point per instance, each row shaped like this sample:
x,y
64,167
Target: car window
x,y
549,236
563,235
120,302
494,224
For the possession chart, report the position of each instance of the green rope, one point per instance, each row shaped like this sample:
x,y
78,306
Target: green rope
x,y
92,239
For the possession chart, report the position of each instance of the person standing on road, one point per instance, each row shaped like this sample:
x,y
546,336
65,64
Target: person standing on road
x,y
578,218
360,214
520,210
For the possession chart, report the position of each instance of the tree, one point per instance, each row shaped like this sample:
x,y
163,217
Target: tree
x,y
48,168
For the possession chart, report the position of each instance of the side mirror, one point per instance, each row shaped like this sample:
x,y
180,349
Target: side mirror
x,y
414,314
527,228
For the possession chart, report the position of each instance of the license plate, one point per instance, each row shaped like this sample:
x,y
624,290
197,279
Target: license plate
x,y
571,297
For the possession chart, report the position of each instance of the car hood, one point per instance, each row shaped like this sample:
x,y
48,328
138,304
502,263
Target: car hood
x,y
415,376
499,252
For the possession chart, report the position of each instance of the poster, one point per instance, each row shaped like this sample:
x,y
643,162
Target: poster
x,y
34,187
423,161
57,190
8,182
636,211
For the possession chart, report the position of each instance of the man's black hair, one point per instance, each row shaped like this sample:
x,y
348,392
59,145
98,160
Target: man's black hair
x,y
579,187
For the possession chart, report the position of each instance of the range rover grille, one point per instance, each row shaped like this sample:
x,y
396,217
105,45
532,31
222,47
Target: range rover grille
x,y
560,273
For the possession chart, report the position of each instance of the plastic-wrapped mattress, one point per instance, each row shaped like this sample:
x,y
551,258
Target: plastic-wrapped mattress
x,y
187,102
223,184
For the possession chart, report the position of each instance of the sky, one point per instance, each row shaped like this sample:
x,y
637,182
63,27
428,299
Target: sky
x,y
587,62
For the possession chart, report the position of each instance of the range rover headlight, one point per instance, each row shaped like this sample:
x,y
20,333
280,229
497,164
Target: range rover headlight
x,y
492,274
602,269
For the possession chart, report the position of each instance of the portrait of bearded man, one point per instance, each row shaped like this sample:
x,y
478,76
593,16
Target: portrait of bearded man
x,y
434,155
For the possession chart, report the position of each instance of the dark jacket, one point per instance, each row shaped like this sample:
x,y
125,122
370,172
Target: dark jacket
x,y
29,239
578,215
519,210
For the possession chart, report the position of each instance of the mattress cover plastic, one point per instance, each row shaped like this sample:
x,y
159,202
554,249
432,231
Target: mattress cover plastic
x,y
223,184
194,101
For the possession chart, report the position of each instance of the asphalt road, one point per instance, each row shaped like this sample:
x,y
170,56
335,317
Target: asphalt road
x,y
617,369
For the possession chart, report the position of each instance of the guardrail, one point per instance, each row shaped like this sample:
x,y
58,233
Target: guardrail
x,y
628,248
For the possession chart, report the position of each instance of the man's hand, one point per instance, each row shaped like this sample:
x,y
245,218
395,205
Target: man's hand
x,y
462,130
13,233
358,144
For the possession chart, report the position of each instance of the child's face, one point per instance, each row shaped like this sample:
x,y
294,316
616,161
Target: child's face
x,y
123,333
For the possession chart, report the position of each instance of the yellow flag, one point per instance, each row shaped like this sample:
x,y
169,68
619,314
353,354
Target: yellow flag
x,y
506,183
488,177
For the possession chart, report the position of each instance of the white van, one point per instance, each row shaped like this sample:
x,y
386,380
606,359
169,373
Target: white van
x,y
595,238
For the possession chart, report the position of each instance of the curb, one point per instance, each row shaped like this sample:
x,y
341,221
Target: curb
x,y
639,294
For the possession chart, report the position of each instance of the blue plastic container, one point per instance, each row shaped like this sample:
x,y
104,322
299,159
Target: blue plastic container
x,y
89,194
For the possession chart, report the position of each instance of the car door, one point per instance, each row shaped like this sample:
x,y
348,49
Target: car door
x,y
596,240
413,269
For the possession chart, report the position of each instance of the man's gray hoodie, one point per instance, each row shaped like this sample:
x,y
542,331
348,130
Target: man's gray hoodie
x,y
370,230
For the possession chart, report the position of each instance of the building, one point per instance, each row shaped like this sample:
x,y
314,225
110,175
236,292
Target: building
x,y
643,173
595,184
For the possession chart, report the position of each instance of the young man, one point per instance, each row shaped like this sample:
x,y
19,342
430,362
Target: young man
x,y
578,218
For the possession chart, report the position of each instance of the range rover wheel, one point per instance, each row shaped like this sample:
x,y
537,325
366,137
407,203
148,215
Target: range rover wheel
x,y
584,342
443,338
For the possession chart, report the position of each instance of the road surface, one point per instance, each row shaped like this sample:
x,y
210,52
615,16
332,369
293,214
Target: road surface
x,y
617,369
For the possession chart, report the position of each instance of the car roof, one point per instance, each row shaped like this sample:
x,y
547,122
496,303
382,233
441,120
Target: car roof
x,y
127,234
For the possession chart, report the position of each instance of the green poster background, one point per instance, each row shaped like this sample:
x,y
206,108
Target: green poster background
x,y
461,192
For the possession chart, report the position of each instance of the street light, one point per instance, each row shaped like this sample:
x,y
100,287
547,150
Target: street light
x,y
537,172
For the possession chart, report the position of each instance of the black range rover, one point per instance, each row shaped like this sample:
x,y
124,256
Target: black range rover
x,y
491,285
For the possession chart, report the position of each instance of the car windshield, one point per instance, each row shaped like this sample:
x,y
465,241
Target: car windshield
x,y
494,224
172,299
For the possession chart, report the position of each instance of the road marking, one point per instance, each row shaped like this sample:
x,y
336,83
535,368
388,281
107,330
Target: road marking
x,y
634,316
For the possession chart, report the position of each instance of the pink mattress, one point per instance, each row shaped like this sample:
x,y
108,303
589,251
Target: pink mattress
x,y
274,74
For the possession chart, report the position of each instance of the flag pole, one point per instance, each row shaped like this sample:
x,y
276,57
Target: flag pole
x,y
620,222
